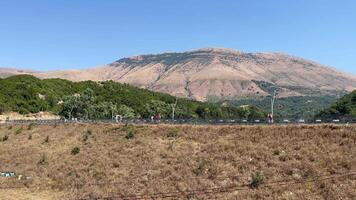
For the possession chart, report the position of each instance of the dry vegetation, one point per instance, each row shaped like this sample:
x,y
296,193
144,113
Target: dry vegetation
x,y
88,161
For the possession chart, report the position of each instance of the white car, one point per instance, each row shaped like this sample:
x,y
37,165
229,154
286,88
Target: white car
x,y
286,121
336,120
301,121
318,121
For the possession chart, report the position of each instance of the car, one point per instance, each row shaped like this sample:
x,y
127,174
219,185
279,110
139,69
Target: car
x,y
286,121
301,121
257,121
336,120
318,120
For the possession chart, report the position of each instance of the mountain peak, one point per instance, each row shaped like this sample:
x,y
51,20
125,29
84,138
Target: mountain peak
x,y
218,73
218,50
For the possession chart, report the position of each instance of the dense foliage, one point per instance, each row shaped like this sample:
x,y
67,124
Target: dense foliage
x,y
91,100
343,108
291,107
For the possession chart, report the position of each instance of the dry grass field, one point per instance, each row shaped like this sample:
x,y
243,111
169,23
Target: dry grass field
x,y
86,161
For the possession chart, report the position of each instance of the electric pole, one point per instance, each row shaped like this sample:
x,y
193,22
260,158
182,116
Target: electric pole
x,y
173,108
272,104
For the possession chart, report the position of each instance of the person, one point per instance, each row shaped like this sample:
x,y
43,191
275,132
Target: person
x,y
270,118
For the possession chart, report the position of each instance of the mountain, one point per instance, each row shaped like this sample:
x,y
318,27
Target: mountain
x,y
6,72
216,73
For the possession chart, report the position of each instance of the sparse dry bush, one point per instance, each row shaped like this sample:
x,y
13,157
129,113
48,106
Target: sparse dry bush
x,y
203,157
257,179
173,132
18,131
43,160
75,150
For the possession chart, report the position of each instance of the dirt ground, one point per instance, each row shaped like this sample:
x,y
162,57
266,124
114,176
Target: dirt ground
x,y
93,161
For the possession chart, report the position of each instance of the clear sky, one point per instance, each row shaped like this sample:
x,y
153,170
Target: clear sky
x,y
63,34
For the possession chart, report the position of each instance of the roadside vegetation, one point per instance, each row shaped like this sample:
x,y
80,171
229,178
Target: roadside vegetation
x,y
91,100
344,107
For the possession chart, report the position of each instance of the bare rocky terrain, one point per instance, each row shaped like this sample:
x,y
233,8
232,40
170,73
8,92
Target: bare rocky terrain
x,y
215,72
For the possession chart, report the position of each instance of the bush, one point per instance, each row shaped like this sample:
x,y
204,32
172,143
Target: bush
x,y
3,139
173,133
130,134
43,160
18,131
75,151
256,179
130,131
30,126
87,135
46,139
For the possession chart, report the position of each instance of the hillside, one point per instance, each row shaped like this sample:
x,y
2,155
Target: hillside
x,y
103,100
218,73
345,107
82,161
7,72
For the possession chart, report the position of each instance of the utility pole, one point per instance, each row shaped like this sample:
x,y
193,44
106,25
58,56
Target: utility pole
x,y
272,105
174,108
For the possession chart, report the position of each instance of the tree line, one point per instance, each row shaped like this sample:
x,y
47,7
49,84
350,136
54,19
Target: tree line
x,y
103,100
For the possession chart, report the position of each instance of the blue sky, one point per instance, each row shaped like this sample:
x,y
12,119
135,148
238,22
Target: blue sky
x,y
64,34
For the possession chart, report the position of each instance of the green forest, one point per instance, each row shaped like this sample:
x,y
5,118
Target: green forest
x,y
344,107
291,107
103,100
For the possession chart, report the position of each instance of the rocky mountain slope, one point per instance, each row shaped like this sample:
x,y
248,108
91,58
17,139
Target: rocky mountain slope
x,y
218,73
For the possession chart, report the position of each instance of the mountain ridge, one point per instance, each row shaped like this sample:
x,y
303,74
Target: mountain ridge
x,y
217,72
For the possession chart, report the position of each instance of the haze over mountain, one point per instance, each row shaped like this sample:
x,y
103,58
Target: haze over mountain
x,y
215,73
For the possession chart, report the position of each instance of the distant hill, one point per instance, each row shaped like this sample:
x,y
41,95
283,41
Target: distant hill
x,y
6,72
344,107
98,100
223,74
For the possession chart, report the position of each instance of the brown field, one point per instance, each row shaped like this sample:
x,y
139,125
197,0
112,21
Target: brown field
x,y
178,162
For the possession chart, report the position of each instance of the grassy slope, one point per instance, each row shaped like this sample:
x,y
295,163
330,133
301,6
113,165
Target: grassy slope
x,y
197,158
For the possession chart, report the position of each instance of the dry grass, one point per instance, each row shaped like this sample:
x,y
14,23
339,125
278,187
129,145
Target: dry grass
x,y
164,158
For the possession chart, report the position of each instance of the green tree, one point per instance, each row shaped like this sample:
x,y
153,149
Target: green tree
x,y
126,112
155,107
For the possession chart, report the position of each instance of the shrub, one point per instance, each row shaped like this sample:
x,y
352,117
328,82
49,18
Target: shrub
x,y
130,134
3,139
130,131
87,135
46,139
173,133
43,160
202,167
30,126
75,151
30,137
256,179
18,131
